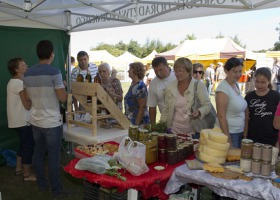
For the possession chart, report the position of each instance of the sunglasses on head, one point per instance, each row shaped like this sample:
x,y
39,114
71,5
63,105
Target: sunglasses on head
x,y
195,72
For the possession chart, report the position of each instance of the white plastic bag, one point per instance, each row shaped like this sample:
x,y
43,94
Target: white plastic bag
x,y
97,164
132,156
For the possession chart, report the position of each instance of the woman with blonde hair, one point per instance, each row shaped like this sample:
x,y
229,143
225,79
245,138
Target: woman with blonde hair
x,y
179,98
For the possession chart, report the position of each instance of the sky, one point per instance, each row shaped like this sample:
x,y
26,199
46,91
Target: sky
x,y
255,29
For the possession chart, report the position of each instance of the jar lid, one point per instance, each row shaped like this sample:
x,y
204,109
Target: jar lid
x,y
266,162
161,135
180,147
162,149
256,144
172,151
267,146
142,130
133,126
247,141
170,135
256,160
154,133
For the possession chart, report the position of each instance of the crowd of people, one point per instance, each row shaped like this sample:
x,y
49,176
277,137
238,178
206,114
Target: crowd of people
x,y
34,95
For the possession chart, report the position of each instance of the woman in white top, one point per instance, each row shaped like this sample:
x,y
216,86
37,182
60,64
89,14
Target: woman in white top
x,y
179,96
18,116
230,104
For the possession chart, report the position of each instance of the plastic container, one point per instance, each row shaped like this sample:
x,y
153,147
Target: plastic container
x,y
10,157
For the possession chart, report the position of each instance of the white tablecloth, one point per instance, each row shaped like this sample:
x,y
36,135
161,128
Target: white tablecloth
x,y
258,188
83,136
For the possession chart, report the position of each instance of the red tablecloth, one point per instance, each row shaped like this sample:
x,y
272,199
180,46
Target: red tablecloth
x,y
151,184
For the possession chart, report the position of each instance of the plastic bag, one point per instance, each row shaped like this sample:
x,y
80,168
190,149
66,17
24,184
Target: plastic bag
x,y
132,156
97,164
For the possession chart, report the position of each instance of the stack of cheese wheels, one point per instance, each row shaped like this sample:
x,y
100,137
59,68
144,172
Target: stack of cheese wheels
x,y
203,138
214,148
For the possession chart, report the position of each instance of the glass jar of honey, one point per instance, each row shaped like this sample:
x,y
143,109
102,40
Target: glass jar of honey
x,y
267,152
257,151
246,148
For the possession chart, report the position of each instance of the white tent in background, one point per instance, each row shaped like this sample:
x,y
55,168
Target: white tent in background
x,y
150,57
101,56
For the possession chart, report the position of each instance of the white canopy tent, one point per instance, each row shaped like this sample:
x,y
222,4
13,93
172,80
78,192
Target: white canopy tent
x,y
101,56
149,58
80,15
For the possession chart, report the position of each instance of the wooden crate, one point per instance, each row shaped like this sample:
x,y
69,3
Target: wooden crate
x,y
80,90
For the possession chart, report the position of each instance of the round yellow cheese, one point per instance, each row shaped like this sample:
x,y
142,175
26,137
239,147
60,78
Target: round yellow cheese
x,y
217,146
204,133
200,147
217,137
202,140
211,159
213,167
214,152
217,129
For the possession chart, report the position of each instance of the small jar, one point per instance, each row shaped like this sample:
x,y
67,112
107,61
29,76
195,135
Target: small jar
x,y
154,138
143,134
133,132
246,148
277,168
185,150
265,168
256,166
171,142
171,157
161,141
245,164
190,148
180,153
267,153
161,155
257,151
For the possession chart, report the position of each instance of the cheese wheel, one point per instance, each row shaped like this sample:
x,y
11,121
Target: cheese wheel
x,y
218,137
217,129
211,159
202,141
204,133
213,167
200,147
214,152
217,146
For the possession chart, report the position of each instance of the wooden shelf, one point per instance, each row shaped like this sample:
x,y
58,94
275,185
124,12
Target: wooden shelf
x,y
81,90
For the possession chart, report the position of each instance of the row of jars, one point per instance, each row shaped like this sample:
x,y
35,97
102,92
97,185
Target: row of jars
x,y
256,151
172,156
256,166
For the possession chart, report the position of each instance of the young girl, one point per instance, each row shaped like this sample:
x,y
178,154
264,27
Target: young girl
x,y
262,104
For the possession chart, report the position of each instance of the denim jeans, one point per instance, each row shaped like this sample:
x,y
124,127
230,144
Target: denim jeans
x,y
26,144
236,139
48,140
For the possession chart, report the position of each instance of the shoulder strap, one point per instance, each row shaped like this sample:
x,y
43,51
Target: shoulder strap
x,y
195,94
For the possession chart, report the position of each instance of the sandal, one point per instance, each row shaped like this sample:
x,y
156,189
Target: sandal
x,y
30,177
18,173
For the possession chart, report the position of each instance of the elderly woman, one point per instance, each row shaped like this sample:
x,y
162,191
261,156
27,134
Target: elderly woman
x,y
179,98
198,71
230,104
136,97
110,84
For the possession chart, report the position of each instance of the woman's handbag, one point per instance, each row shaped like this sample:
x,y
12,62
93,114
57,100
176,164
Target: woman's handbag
x,y
208,121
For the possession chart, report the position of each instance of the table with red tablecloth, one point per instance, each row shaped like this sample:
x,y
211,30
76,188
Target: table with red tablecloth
x,y
150,184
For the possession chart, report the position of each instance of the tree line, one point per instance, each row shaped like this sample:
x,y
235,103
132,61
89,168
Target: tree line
x,y
142,51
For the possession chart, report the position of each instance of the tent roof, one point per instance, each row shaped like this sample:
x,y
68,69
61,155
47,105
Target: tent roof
x,y
273,54
206,49
126,56
101,56
150,57
79,15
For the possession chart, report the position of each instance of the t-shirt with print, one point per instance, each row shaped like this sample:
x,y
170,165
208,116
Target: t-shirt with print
x,y
262,110
77,70
135,92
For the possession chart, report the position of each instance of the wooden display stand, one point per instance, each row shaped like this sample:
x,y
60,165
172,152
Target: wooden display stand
x,y
80,90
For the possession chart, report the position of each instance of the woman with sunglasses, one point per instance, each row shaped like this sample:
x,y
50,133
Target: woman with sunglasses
x,y
198,71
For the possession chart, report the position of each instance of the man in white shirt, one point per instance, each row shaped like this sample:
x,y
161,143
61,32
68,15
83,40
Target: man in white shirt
x,y
209,78
220,73
157,86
